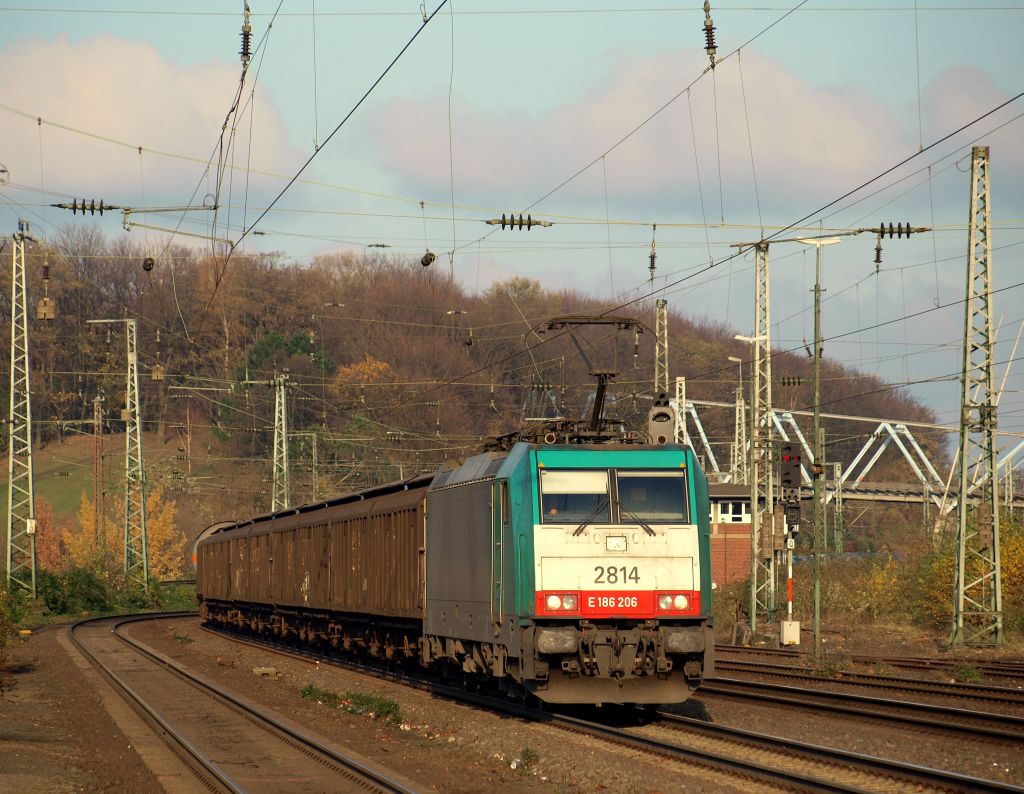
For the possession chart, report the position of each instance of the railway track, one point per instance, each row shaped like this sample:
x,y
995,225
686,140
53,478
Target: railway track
x,y
807,675
823,768
231,745
944,719
1005,668
740,754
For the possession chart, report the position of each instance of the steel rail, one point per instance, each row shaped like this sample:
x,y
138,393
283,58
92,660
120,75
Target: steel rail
x,y
745,769
1007,668
944,689
208,772
367,772
914,773
923,715
370,772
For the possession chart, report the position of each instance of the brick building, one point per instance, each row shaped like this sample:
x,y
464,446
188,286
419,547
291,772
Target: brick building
x,y
730,533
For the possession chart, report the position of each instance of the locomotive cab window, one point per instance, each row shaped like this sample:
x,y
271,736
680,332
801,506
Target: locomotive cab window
x,y
574,496
653,496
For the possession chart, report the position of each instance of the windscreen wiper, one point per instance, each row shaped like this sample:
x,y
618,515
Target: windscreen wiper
x,y
635,517
600,506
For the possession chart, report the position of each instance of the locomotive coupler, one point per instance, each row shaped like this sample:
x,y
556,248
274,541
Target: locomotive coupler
x,y
587,657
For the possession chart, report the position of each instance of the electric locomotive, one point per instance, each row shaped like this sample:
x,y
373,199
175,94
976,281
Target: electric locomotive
x,y
579,572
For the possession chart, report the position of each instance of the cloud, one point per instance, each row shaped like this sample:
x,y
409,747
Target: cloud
x,y
127,91
808,140
963,93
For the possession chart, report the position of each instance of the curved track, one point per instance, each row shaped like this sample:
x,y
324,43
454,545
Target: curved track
x,y
231,745
767,760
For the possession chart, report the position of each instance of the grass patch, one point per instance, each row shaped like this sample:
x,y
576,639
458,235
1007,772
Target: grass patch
x,y
831,666
373,706
322,696
183,639
966,674
528,757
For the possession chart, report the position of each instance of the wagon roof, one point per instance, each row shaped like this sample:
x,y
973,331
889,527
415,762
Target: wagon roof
x,y
408,484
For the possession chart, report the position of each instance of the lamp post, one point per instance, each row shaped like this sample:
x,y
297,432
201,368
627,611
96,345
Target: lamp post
x,y
739,362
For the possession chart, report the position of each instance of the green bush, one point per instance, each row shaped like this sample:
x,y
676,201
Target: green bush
x,y
14,607
172,597
73,591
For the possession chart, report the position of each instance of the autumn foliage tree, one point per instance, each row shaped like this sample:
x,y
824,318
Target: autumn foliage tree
x,y
166,540
50,552
104,551
87,548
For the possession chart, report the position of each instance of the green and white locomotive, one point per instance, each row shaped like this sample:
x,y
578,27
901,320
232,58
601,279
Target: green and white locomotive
x,y
580,572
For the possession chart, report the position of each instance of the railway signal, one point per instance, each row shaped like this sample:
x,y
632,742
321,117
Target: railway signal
x,y
789,468
791,512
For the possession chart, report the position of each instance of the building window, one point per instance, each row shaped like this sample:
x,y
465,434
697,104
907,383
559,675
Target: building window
x,y
734,512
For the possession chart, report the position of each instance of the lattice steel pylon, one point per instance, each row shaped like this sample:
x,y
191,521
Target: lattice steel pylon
x,y
21,516
681,435
661,346
136,540
762,526
282,485
738,456
977,605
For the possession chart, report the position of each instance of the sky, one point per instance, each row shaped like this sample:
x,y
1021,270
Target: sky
x,y
605,120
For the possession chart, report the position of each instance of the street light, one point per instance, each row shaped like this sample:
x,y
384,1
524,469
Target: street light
x,y
739,361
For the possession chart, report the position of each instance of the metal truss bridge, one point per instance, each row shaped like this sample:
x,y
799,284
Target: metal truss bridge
x,y
849,483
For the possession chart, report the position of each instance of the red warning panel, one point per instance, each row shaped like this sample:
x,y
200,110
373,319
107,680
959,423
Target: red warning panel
x,y
612,603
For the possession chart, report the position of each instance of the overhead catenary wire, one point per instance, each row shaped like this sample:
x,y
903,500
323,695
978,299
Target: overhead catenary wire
x,y
845,195
305,165
700,188
817,212
547,11
606,220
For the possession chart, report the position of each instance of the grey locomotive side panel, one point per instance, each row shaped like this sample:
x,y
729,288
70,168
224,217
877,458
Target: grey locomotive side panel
x,y
459,563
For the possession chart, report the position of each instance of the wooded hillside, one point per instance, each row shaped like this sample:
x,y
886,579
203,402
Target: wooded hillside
x,y
392,365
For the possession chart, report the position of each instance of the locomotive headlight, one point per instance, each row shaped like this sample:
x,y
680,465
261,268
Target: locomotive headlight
x,y
664,601
569,603
553,602
680,602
